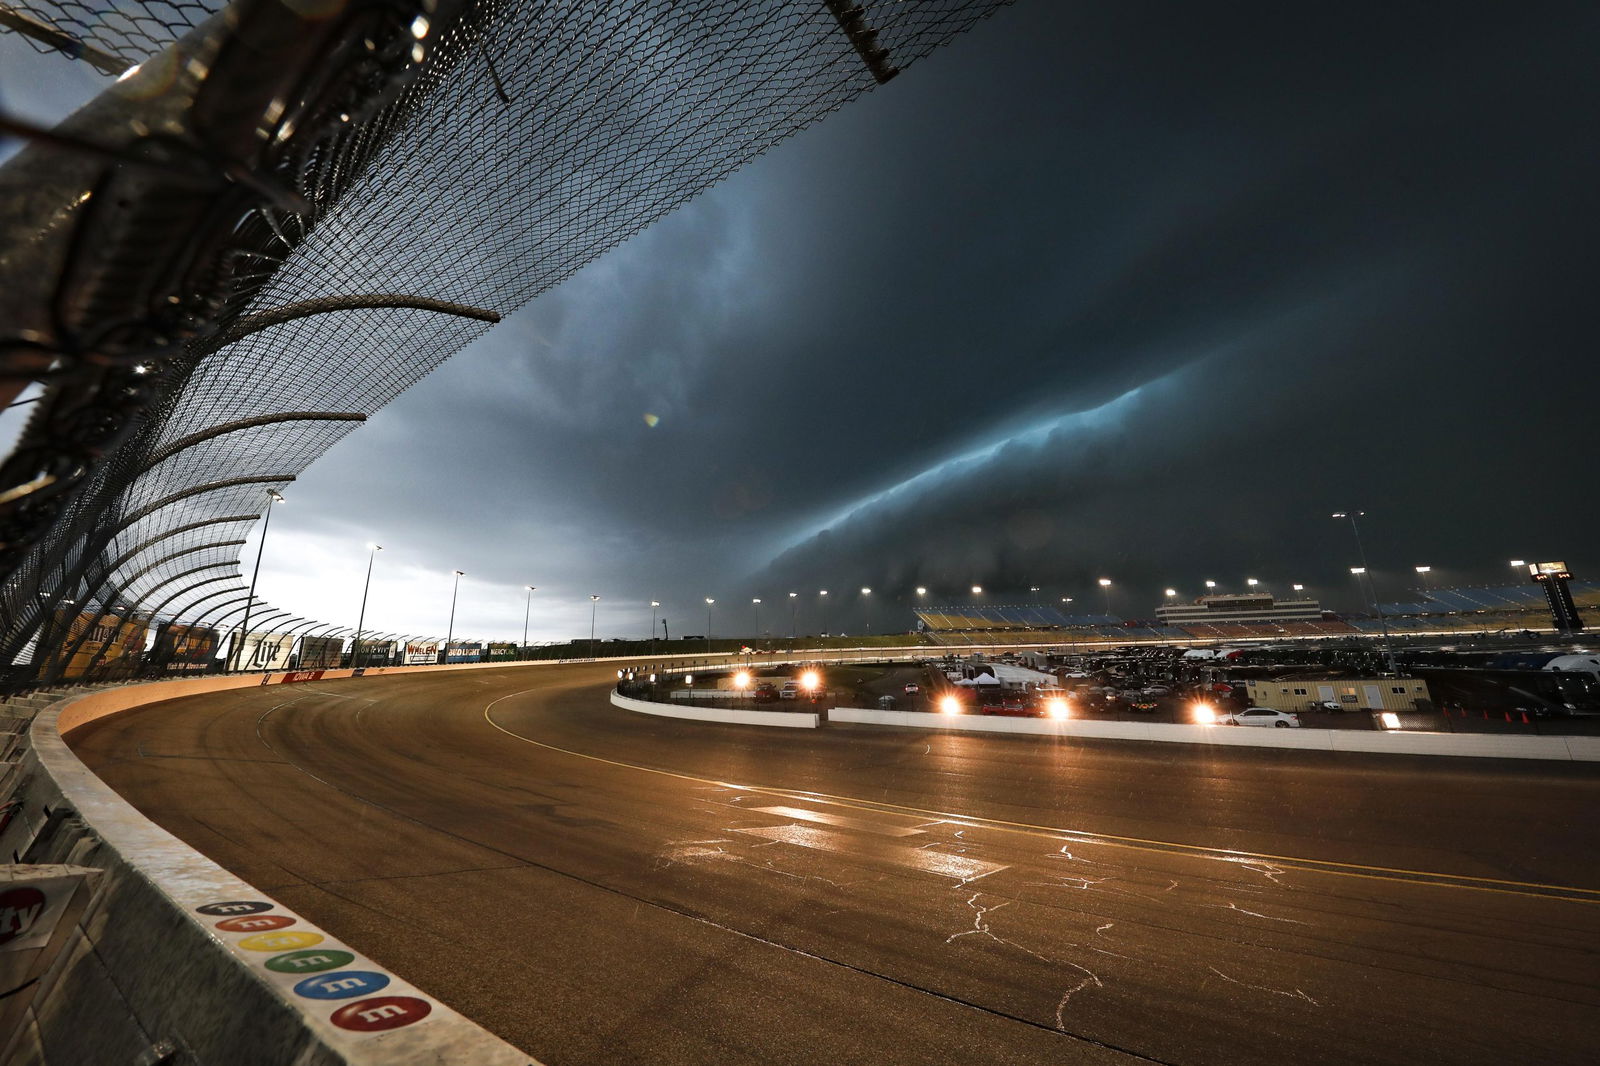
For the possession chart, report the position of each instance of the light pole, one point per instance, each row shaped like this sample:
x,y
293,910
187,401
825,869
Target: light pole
x,y
450,631
355,646
1105,586
1383,623
594,605
1211,588
526,611
866,623
824,594
794,615
261,549
709,602
756,603
653,605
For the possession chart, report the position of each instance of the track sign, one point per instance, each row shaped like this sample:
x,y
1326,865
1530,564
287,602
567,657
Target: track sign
x,y
344,984
233,908
381,1012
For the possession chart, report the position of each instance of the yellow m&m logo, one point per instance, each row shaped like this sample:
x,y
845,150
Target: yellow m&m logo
x,y
287,941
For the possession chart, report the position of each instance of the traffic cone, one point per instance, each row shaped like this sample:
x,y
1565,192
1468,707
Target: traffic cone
x,y
1508,716
1525,718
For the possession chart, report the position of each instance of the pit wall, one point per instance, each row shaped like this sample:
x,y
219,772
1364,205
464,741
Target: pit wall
x,y
1564,749
173,959
790,719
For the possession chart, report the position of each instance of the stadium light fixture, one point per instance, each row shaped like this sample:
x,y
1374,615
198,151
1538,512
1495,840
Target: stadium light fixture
x,y
1033,588
594,605
1358,570
1066,599
1424,569
977,590
1252,582
1519,563
1298,588
866,591
922,590
1172,592
1211,584
1105,582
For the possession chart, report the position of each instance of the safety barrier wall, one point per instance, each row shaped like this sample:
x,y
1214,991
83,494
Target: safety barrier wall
x,y
1566,749
175,957
790,719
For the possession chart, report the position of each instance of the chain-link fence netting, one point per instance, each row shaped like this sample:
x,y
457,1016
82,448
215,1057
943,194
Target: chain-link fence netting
x,y
536,136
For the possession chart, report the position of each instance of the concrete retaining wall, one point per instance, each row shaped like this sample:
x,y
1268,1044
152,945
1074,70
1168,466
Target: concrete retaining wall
x,y
176,960
1566,749
791,719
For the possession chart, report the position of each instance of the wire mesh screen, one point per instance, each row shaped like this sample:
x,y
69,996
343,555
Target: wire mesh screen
x,y
538,135
128,30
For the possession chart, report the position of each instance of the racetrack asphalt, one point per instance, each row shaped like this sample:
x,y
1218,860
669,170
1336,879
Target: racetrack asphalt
x,y
599,886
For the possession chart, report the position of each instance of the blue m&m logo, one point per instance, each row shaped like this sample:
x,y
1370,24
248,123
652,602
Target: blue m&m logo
x,y
342,984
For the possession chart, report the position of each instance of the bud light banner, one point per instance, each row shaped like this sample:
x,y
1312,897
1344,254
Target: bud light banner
x,y
464,653
421,652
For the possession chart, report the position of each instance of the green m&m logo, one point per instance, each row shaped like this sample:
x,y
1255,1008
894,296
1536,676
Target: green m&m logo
x,y
310,961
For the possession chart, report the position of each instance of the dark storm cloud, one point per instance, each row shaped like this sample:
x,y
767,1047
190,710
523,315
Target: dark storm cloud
x,y
1131,289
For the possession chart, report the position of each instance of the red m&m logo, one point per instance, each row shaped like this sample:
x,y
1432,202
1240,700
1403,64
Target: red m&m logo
x,y
258,923
381,1012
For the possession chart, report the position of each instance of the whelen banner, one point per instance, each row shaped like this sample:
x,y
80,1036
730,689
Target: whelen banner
x,y
265,651
320,653
183,649
421,652
111,649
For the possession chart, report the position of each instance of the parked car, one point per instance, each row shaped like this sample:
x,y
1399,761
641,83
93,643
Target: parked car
x,y
789,691
1262,716
912,687
766,693
1332,706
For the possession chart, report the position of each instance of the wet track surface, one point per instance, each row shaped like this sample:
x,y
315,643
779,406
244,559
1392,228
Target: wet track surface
x,y
598,886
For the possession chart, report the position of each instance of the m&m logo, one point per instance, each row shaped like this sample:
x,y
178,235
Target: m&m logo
x,y
381,1012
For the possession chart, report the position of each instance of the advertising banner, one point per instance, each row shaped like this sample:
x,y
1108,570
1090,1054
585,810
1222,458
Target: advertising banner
x,y
111,649
464,653
373,653
264,651
421,652
502,652
320,653
184,649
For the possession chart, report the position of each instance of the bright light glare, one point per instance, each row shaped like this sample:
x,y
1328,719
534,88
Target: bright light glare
x,y
419,27
1519,562
1298,588
1204,714
1424,569
977,590
1172,592
741,680
1358,570
1390,720
1105,582
1056,708
688,679
921,590
1252,582
809,680
949,705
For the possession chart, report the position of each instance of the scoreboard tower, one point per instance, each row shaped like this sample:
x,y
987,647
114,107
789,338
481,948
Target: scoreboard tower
x,y
1554,578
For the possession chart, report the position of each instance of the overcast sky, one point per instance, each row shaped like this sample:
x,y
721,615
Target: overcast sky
x,y
1124,290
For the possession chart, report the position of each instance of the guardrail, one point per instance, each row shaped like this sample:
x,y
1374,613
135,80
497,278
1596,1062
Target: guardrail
x,y
1474,745
786,719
